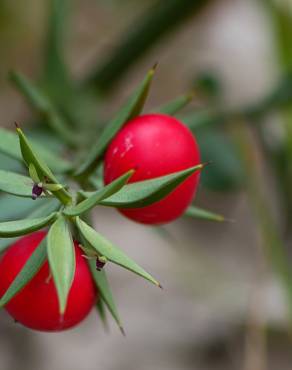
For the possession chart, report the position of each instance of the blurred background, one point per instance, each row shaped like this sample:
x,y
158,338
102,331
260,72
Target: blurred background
x,y
227,302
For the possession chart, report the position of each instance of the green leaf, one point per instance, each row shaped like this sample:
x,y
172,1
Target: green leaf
x,y
160,18
9,145
33,174
100,306
10,229
43,171
99,195
175,105
112,253
53,187
44,209
132,108
12,208
13,183
41,210
28,271
56,74
8,163
61,256
203,214
104,289
44,106
143,193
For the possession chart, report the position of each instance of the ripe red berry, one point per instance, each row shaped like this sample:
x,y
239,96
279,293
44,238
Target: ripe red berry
x,y
36,305
154,145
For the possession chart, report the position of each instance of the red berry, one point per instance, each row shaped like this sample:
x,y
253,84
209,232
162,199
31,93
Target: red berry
x,y
154,145
36,305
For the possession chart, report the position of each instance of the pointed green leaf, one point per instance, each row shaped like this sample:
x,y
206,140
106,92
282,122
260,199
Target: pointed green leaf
x,y
30,156
13,183
100,306
143,193
44,209
9,145
89,251
21,227
95,182
99,195
112,253
28,271
175,105
41,102
33,173
40,210
104,289
203,214
61,256
132,108
12,208
53,187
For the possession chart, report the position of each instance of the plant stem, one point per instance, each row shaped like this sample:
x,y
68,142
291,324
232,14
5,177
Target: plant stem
x,y
160,19
275,248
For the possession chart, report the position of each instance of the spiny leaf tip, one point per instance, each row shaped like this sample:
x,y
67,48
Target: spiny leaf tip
x,y
205,164
153,69
122,330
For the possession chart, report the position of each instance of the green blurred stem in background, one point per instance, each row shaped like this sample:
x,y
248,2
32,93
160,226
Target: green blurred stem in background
x,y
159,20
281,16
55,72
274,246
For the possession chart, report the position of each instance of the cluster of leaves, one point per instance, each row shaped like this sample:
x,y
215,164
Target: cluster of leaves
x,y
66,212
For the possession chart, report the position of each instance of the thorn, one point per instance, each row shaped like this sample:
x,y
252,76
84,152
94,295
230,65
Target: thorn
x,y
17,126
154,66
160,286
131,173
205,164
122,330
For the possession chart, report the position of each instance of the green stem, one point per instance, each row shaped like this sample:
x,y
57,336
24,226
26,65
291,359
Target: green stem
x,y
281,19
275,248
160,19
55,69
63,196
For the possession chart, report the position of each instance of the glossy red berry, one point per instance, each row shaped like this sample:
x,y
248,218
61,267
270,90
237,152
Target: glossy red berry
x,y
154,145
36,305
